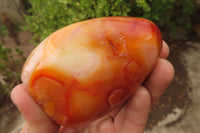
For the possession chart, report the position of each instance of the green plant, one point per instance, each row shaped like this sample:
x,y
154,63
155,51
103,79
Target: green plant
x,y
46,16
49,15
10,68
3,30
168,14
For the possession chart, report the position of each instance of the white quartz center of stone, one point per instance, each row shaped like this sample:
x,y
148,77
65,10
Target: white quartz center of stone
x,y
79,62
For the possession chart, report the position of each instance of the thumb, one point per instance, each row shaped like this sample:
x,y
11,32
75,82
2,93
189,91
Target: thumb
x,y
37,120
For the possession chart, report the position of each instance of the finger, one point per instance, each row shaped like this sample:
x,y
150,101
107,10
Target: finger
x,y
165,50
25,129
159,79
38,121
136,112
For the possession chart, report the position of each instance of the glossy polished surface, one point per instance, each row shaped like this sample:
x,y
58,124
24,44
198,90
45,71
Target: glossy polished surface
x,y
84,70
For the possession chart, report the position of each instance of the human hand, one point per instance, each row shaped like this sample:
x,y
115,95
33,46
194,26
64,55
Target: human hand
x,y
130,118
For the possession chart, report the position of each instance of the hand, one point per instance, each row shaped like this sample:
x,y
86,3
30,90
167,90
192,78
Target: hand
x,y
131,118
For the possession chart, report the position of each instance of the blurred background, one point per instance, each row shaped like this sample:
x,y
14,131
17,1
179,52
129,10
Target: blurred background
x,y
25,23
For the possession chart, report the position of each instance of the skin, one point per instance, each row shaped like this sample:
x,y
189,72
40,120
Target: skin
x,y
130,118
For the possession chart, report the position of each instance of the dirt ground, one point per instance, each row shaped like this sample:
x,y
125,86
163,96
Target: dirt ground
x,y
178,110
10,118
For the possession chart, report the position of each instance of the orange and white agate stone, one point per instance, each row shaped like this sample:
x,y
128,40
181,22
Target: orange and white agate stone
x,y
83,71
